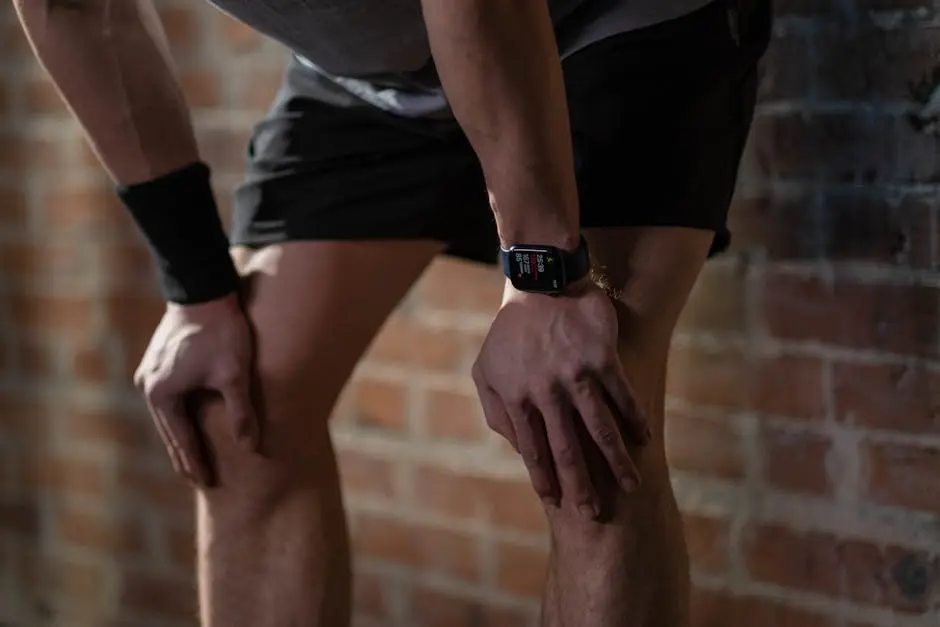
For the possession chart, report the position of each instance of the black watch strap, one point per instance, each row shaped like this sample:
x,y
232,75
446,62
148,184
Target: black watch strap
x,y
577,262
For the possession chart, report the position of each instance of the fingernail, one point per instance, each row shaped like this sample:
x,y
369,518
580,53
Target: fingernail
x,y
648,436
588,511
629,484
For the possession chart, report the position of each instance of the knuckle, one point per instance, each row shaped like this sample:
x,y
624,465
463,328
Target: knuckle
x,y
566,457
578,372
531,457
606,437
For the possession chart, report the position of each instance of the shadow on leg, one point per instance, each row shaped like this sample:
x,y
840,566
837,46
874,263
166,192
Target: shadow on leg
x,y
631,569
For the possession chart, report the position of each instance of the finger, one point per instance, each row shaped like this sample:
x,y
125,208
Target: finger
x,y
182,432
169,443
617,387
240,410
535,452
588,399
496,416
570,465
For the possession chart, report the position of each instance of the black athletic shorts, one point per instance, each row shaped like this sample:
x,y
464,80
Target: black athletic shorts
x,y
659,118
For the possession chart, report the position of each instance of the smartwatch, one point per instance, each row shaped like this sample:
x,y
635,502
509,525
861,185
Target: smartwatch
x,y
545,269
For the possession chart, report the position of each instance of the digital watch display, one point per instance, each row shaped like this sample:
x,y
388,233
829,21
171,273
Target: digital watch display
x,y
544,269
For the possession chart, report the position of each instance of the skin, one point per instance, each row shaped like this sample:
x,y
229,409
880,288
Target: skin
x,y
241,393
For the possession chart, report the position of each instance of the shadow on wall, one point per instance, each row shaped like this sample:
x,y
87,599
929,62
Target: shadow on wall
x,y
804,395
816,348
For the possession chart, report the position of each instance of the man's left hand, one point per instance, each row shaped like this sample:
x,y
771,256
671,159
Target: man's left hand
x,y
546,363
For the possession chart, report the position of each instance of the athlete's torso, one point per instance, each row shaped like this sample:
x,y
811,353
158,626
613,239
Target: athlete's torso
x,y
378,49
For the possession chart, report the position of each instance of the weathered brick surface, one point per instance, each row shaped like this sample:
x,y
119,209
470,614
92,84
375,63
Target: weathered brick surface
x,y
804,396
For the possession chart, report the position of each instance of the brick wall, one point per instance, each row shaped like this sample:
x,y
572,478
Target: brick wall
x,y
804,396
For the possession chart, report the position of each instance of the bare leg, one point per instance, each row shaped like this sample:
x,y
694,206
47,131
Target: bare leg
x,y
273,546
631,569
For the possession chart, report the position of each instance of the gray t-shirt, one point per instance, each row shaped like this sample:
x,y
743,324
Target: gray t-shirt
x,y
376,52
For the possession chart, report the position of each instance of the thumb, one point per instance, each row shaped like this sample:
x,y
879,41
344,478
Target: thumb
x,y
240,410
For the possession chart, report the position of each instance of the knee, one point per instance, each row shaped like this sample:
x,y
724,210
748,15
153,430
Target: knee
x,y
292,397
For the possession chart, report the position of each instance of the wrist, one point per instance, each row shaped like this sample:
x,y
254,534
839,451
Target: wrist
x,y
178,217
230,303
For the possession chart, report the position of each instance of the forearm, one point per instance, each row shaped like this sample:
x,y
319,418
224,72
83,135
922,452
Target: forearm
x,y
110,62
499,65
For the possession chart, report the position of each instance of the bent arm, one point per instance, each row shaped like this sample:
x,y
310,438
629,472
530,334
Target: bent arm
x,y
110,61
500,68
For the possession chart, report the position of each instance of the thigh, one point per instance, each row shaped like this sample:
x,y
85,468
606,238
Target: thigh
x,y
314,307
649,272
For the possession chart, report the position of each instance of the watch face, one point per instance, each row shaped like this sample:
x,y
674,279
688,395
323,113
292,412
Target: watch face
x,y
536,269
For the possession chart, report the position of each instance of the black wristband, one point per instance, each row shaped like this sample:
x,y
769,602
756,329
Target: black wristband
x,y
179,218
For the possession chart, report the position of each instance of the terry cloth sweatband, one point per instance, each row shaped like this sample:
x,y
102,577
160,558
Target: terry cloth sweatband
x,y
179,218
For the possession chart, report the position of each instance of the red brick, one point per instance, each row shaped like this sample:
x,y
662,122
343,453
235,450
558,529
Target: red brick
x,y
108,534
203,88
784,70
224,149
894,318
27,261
182,28
79,583
13,210
13,42
707,377
405,343
23,154
871,63
365,474
52,314
180,543
63,474
91,210
437,551
850,569
380,404
37,358
795,460
133,433
789,386
509,504
832,146
703,446
257,89
42,97
432,608
903,475
6,102
858,226
893,397
522,570
717,609
90,365
708,543
26,418
481,287
163,490
453,416
158,596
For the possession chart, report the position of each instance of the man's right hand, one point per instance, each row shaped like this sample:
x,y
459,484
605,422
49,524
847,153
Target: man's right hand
x,y
196,348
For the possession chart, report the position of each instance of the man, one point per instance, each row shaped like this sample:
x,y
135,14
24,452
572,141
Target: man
x,y
621,121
